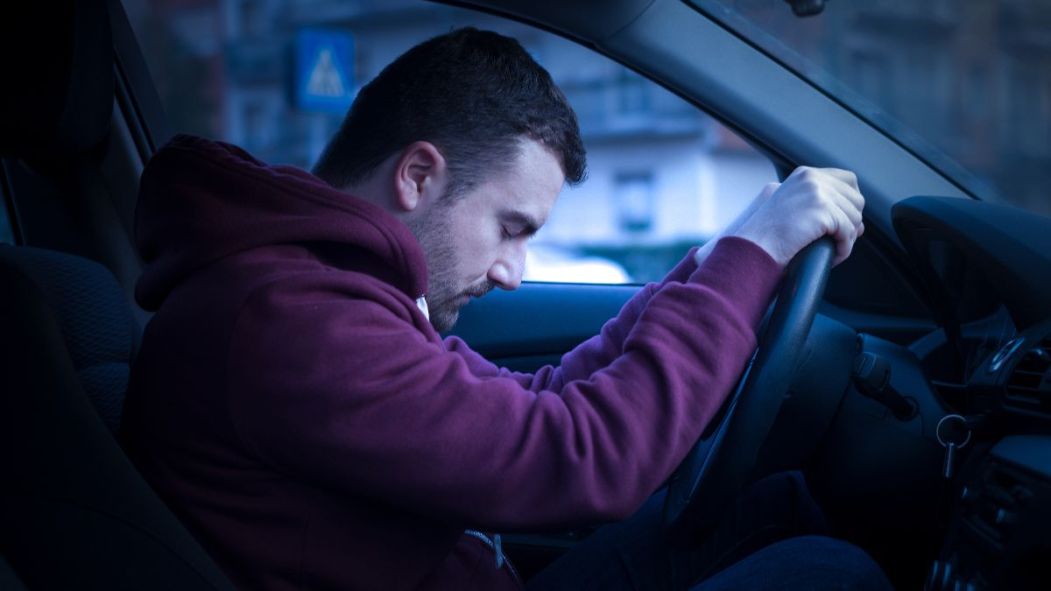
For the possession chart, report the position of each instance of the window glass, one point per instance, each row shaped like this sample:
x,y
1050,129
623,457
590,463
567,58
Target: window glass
x,y
965,84
662,175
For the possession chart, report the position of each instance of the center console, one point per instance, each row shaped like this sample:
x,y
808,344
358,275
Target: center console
x,y
1000,533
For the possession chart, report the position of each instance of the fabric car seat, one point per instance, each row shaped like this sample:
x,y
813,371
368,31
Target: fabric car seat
x,y
74,512
94,319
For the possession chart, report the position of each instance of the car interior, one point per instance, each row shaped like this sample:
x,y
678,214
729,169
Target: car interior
x,y
918,404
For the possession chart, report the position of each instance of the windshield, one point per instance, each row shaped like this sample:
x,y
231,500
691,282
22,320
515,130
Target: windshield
x,y
963,84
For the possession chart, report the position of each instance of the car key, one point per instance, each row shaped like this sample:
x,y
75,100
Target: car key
x,y
950,456
952,433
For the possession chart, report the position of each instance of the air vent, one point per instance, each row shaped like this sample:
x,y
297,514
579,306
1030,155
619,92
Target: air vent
x,y
1005,353
1029,385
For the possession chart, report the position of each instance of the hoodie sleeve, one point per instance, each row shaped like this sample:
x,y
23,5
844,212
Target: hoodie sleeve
x,y
591,355
338,387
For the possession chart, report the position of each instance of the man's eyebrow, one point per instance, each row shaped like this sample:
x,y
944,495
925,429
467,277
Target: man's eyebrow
x,y
528,223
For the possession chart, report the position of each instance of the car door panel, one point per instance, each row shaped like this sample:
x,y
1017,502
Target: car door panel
x,y
536,324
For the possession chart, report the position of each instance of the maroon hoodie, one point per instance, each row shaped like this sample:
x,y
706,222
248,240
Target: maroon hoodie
x,y
298,412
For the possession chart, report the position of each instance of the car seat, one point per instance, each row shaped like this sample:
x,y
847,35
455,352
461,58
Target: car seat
x,y
74,513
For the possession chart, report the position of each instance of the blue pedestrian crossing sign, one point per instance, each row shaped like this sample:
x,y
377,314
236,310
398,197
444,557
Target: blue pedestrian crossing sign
x,y
324,70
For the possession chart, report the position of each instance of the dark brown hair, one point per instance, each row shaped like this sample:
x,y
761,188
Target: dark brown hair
x,y
473,94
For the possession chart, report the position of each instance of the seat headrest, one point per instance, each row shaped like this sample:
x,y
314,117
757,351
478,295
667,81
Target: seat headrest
x,y
93,314
57,68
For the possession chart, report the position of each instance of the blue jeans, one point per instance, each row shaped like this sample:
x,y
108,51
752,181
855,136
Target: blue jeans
x,y
772,537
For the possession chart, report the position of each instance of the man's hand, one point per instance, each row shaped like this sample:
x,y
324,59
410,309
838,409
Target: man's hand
x,y
811,203
730,230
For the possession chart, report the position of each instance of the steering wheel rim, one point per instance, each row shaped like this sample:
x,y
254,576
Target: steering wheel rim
x,y
721,461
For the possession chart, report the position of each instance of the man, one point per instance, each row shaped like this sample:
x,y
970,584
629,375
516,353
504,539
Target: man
x,y
293,401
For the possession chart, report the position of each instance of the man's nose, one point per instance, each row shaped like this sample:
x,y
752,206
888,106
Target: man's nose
x,y
507,271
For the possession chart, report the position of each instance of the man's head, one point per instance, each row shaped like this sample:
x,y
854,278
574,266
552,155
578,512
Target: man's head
x,y
467,139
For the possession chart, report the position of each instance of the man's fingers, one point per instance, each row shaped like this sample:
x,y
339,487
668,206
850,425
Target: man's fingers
x,y
843,196
844,232
845,176
848,208
848,192
810,203
767,191
845,181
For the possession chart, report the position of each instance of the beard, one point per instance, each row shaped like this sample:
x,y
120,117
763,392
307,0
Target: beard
x,y
446,294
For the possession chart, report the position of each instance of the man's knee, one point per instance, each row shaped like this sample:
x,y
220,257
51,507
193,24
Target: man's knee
x,y
805,562
844,563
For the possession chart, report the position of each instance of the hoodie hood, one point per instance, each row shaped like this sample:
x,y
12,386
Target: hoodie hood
x,y
200,201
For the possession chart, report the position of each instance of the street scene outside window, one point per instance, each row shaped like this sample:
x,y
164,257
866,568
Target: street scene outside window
x,y
965,84
276,76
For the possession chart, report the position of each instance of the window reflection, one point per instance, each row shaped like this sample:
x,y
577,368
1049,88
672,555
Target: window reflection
x,y
971,77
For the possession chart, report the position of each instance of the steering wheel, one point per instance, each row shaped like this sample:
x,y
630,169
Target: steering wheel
x,y
721,461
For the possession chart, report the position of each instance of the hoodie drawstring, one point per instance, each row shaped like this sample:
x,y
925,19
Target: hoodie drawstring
x,y
496,543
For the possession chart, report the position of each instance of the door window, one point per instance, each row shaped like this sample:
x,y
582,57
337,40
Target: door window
x,y
663,176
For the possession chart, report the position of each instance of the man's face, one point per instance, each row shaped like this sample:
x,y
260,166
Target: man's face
x,y
477,241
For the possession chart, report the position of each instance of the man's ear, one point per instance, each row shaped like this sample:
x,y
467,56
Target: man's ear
x,y
420,176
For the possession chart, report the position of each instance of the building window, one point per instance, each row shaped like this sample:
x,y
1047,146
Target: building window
x,y
634,201
255,124
632,97
1025,102
975,99
252,18
872,76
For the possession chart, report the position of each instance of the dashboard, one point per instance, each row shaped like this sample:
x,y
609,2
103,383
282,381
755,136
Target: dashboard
x,y
987,274
986,271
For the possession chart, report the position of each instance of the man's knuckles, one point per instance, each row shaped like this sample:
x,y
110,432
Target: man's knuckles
x,y
769,190
846,176
823,176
